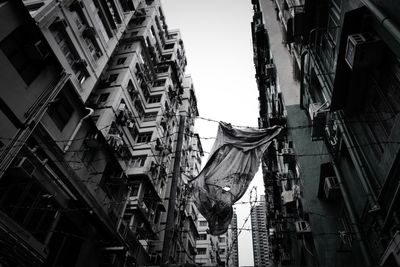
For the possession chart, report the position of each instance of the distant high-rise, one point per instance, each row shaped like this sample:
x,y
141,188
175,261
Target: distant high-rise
x,y
260,234
233,250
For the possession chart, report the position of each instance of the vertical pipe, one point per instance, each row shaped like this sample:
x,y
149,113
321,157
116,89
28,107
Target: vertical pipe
x,y
352,216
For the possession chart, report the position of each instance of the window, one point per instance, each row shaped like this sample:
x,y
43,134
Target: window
x,y
24,54
61,111
154,99
112,78
145,90
134,33
128,45
23,199
202,237
150,116
221,239
138,161
132,129
162,69
144,137
169,46
222,252
137,21
167,56
203,223
139,108
158,83
201,251
121,60
32,7
103,97
135,190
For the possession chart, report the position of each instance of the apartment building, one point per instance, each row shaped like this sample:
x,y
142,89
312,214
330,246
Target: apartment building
x,y
259,234
205,245
98,116
345,56
233,249
219,250
282,233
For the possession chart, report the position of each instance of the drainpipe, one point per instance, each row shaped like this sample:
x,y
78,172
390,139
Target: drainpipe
x,y
303,56
352,216
77,129
361,169
384,20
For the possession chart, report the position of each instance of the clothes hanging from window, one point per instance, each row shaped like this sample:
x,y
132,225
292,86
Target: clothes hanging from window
x,y
233,162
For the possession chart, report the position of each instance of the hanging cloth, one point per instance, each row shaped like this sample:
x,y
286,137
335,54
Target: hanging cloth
x,y
233,162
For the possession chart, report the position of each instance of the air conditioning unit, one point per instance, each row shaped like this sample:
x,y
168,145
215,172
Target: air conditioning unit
x,y
131,124
302,227
167,150
331,187
121,106
92,140
24,167
363,50
37,51
288,155
163,123
318,113
270,70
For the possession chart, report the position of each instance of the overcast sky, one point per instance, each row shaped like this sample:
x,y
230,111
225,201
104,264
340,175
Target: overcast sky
x,y
217,40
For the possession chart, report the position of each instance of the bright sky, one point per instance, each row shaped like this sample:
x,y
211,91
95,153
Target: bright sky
x,y
218,45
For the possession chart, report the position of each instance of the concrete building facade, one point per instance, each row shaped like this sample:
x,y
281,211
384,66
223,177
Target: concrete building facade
x,y
217,250
97,127
344,55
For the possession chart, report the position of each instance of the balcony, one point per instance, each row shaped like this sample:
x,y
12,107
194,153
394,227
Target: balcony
x,y
146,226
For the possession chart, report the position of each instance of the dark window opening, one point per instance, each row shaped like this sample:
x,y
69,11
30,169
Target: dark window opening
x,y
112,78
138,161
26,52
154,99
103,97
144,137
169,46
26,201
150,116
61,111
158,83
121,60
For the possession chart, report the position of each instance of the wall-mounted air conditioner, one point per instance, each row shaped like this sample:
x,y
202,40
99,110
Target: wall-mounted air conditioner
x,y
318,113
302,227
288,155
92,140
163,123
363,50
331,187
